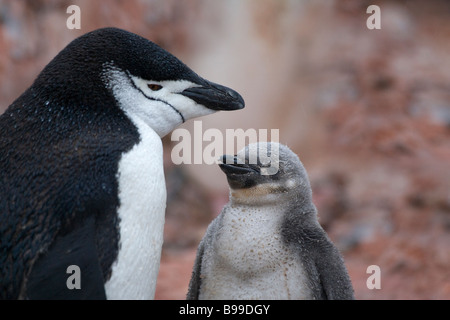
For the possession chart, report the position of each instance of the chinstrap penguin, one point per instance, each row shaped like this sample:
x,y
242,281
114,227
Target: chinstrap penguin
x,y
267,242
81,167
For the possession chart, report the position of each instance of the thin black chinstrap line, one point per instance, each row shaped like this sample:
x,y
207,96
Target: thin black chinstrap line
x,y
150,98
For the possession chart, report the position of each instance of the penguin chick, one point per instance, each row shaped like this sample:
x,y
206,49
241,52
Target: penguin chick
x,y
267,242
81,167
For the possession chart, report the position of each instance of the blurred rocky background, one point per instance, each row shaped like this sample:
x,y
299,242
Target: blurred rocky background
x,y
367,111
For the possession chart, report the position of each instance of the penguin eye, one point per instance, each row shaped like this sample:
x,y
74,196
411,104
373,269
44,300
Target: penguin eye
x,y
154,87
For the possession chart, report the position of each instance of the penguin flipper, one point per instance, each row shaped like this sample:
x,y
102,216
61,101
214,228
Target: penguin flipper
x,y
50,277
194,283
334,278
204,246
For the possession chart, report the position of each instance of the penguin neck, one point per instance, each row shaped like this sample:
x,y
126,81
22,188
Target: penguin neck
x,y
263,196
260,195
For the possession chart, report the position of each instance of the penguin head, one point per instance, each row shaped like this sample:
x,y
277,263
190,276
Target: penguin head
x,y
264,172
145,81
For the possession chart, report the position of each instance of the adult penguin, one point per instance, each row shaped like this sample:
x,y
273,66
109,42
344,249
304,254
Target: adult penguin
x,y
82,190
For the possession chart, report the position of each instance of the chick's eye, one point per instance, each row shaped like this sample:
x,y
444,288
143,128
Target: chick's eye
x,y
154,87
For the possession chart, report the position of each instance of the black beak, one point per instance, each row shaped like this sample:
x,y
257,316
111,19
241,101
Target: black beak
x,y
214,96
230,165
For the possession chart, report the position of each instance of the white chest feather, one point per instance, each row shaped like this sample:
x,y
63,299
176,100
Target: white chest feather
x,y
142,195
248,260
